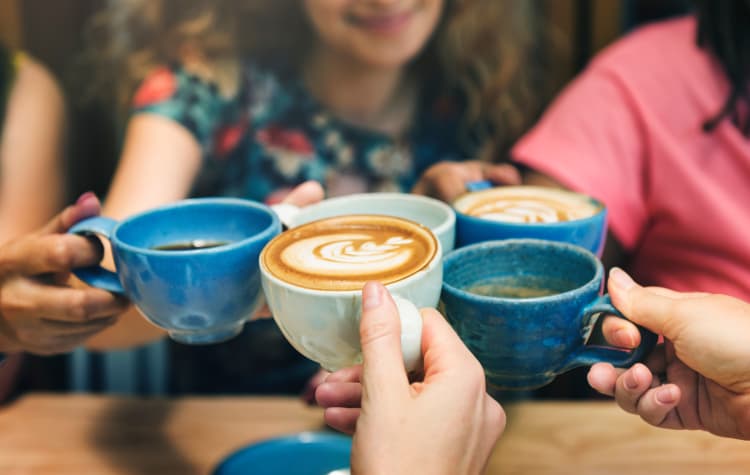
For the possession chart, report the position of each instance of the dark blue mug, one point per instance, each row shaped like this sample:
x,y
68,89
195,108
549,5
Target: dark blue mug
x,y
190,267
526,307
489,213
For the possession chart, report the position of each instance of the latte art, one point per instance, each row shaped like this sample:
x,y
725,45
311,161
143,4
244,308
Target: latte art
x,y
347,253
527,205
343,253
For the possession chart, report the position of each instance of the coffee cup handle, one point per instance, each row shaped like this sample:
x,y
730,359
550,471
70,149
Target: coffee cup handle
x,y
97,276
479,185
411,333
590,354
286,213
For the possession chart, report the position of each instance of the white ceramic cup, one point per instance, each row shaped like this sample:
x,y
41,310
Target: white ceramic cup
x,y
434,214
323,325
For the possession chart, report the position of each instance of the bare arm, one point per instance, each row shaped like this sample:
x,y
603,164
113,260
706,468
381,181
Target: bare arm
x,y
32,182
38,313
159,163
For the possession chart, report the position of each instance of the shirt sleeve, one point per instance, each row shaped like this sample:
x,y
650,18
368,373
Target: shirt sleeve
x,y
591,140
195,104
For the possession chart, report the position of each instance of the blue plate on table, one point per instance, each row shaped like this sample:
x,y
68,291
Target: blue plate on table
x,y
306,453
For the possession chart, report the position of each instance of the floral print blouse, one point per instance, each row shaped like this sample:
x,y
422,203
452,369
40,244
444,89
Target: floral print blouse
x,y
273,135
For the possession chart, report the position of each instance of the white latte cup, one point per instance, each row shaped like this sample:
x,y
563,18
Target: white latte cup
x,y
313,274
434,214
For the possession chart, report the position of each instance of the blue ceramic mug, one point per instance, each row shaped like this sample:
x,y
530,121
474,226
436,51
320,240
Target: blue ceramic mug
x,y
526,307
191,267
486,213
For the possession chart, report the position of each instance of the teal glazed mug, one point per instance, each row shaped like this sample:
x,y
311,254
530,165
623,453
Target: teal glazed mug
x,y
191,267
486,214
526,307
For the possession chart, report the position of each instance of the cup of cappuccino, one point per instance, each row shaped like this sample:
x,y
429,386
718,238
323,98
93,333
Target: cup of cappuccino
x,y
190,267
530,212
313,276
526,307
434,214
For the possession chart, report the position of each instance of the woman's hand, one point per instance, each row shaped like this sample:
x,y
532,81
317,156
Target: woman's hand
x,y
447,180
700,377
39,312
444,424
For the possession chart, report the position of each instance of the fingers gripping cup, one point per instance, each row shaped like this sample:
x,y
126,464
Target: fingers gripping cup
x,y
526,307
191,267
313,276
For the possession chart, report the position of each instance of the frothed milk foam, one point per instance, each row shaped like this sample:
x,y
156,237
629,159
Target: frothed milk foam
x,y
342,253
527,204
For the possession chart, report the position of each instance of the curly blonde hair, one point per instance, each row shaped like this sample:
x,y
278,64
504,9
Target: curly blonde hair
x,y
491,52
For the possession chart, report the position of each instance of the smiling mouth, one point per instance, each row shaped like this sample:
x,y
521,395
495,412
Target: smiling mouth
x,y
382,24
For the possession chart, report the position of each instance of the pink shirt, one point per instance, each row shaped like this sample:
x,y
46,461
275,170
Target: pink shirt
x,y
628,131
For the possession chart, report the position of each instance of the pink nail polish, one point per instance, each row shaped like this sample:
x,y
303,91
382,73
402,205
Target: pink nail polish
x,y
85,197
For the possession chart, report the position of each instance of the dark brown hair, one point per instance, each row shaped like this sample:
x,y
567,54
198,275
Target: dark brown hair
x,y
724,30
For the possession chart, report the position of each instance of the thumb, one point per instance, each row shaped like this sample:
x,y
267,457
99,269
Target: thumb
x,y
307,193
380,335
86,206
652,308
503,174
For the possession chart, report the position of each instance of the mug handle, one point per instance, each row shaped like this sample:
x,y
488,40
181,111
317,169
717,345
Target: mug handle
x,y
97,276
588,355
286,213
411,333
479,185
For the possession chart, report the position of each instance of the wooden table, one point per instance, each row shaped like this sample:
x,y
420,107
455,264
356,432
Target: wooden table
x,y
77,434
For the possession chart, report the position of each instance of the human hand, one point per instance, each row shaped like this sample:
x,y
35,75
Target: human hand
x,y
444,424
39,311
700,377
307,193
308,393
447,180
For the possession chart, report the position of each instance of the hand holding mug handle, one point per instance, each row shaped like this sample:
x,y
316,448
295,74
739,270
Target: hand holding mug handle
x,y
589,355
97,276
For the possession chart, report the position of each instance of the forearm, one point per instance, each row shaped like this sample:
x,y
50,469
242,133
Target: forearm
x,y
32,184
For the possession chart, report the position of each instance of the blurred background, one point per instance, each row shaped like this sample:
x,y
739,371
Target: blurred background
x,y
52,31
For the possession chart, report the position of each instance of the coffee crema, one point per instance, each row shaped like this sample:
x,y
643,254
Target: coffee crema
x,y
520,287
527,204
344,252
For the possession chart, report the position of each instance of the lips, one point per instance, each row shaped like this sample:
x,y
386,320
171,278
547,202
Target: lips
x,y
383,24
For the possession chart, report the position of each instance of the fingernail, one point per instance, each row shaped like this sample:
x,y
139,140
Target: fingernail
x,y
620,279
624,338
371,296
631,382
85,197
666,395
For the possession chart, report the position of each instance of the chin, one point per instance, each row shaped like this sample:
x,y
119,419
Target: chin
x,y
389,57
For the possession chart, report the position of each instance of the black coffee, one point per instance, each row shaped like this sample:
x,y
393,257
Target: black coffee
x,y
190,245
520,287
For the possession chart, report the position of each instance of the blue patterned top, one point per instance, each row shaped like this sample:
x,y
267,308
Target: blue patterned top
x,y
273,135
